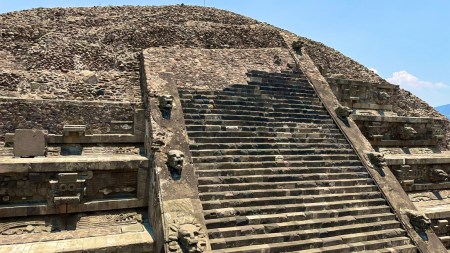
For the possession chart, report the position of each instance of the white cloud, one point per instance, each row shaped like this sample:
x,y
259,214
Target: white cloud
x,y
373,70
405,80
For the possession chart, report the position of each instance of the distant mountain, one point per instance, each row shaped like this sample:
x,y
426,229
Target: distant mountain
x,y
444,109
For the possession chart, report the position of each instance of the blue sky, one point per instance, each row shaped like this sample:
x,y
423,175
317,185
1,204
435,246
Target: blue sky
x,y
405,41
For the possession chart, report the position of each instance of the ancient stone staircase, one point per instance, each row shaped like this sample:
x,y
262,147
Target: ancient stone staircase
x,y
277,175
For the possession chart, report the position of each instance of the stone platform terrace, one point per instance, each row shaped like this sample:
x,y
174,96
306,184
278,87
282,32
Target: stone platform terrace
x,y
414,147
75,192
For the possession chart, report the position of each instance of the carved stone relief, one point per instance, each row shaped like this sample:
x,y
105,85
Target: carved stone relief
x,y
24,227
429,196
438,175
67,189
186,235
166,105
175,163
422,173
343,111
408,133
109,219
377,159
348,91
395,130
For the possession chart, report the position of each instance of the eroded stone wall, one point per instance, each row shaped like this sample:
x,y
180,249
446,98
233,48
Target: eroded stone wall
x,y
73,85
53,115
211,69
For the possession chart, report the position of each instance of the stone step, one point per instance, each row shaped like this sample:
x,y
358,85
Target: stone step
x,y
346,249
225,97
282,74
274,158
350,234
215,152
277,145
230,101
290,74
273,164
280,178
256,90
229,195
263,112
409,248
283,184
251,230
279,82
272,123
256,107
279,76
286,200
268,88
292,208
252,90
286,128
236,133
243,220
327,138
265,118
277,171
251,95
360,247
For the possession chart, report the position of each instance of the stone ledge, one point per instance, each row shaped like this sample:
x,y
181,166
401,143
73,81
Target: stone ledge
x,y
400,119
362,83
88,139
43,209
402,143
133,242
370,106
36,100
418,159
72,163
435,209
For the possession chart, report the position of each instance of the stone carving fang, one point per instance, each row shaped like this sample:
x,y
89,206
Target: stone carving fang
x,y
186,236
175,163
166,105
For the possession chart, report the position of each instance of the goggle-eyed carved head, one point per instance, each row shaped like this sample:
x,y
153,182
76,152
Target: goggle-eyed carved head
x,y
166,101
175,159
